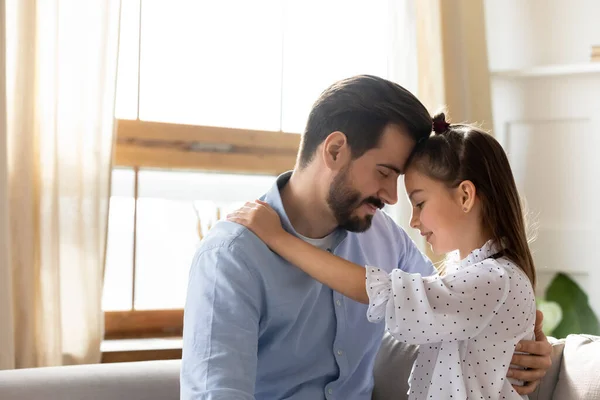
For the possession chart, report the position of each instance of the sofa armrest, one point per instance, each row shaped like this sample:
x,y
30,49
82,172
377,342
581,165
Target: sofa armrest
x,y
579,376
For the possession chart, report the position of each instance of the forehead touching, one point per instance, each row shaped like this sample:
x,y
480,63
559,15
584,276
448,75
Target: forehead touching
x,y
418,184
393,150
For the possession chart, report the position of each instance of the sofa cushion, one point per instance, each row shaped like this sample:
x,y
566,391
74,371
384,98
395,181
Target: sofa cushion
x,y
392,369
155,380
579,376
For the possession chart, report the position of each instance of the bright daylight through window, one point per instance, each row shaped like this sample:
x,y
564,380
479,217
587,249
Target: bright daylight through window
x,y
200,63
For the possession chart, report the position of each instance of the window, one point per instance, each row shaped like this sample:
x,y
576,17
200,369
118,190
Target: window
x,y
174,210
157,220
205,92
256,65
118,272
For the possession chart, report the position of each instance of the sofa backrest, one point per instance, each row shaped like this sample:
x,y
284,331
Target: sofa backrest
x,y
573,376
392,369
146,380
579,376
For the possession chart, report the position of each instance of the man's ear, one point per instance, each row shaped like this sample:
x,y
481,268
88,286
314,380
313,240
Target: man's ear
x,y
467,193
336,152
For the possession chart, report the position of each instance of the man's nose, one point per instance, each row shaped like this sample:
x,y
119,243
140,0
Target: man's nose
x,y
389,192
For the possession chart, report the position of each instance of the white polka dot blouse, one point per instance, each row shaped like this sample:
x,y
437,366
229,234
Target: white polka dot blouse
x,y
467,324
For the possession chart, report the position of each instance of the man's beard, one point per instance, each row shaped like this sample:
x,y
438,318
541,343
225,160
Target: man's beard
x,y
344,200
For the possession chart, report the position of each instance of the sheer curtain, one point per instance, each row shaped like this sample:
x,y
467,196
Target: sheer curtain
x,y
440,54
7,352
452,59
403,69
59,78
452,62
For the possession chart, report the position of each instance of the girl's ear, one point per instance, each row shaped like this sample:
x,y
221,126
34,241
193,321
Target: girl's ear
x,y
467,193
336,151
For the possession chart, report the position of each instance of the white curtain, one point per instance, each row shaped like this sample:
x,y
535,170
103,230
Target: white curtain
x,y
57,132
439,53
403,69
7,354
452,63
452,59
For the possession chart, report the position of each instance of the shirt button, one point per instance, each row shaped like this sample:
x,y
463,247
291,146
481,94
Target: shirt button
x,y
338,302
339,352
330,391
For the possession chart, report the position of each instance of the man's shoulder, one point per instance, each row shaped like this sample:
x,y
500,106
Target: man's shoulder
x,y
231,250
231,237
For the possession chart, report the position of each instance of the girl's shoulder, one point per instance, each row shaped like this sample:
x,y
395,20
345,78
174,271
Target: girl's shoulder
x,y
520,288
499,269
519,302
510,267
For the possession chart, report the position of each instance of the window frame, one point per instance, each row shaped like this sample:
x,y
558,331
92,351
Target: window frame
x,y
175,146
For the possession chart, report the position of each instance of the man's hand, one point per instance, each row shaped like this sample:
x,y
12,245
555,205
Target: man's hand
x,y
537,362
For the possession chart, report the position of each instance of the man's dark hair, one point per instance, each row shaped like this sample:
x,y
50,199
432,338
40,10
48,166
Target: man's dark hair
x,y
361,107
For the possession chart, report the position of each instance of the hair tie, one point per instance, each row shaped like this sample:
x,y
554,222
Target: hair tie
x,y
440,126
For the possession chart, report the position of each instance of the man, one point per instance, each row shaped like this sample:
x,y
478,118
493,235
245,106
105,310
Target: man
x,y
256,327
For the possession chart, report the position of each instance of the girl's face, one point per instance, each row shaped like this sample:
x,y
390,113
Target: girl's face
x,y
438,212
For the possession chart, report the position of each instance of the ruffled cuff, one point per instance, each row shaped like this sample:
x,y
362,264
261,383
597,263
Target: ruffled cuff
x,y
379,290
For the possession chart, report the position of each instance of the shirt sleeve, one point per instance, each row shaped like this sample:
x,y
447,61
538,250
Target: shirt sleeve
x,y
220,331
421,310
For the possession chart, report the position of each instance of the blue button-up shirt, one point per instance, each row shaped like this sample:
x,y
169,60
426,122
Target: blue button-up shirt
x,y
257,327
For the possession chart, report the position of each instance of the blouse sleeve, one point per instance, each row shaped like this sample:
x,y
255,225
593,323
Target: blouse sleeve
x,y
420,310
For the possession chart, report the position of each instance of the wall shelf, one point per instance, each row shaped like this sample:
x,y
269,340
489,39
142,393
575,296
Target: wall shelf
x,y
548,71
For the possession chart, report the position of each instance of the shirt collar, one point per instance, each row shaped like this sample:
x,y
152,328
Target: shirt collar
x,y
273,198
489,249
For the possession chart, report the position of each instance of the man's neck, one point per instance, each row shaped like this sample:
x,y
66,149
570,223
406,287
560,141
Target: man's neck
x,y
304,205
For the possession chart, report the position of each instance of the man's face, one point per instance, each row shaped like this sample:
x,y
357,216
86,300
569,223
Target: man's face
x,y
369,182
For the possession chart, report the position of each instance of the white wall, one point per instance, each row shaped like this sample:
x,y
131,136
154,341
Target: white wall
x,y
525,33
548,121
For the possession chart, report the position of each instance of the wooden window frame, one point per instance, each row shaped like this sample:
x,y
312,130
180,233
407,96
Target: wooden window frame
x,y
143,144
176,146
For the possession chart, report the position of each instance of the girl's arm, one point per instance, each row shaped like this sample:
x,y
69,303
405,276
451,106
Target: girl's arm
x,y
456,306
341,275
416,309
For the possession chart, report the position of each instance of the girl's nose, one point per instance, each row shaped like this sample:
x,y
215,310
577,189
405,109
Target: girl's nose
x,y
414,221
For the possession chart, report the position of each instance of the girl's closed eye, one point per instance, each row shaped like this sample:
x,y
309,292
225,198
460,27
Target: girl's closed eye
x,y
420,205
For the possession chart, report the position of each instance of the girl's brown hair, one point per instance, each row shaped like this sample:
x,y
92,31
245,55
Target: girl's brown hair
x,y
457,153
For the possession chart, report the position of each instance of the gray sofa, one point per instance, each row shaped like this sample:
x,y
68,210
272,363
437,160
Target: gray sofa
x,y
575,375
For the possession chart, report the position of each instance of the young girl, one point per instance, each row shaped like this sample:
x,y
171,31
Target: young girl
x,y
469,320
